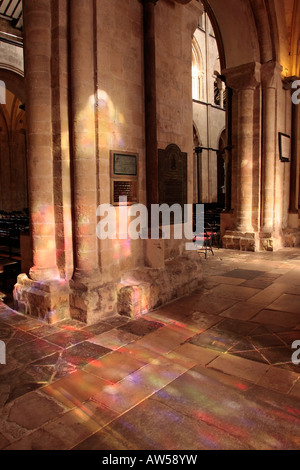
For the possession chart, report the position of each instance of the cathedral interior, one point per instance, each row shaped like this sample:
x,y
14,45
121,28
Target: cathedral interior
x,y
112,327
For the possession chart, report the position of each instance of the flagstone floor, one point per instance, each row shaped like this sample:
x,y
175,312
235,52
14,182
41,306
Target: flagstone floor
x,y
213,370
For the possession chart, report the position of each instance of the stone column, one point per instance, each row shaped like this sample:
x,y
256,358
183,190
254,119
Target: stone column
x,y
150,102
294,183
61,138
37,34
44,295
84,138
244,80
228,150
270,80
153,249
295,159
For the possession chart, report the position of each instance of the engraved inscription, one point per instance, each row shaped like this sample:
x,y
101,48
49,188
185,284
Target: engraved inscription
x,y
172,176
125,165
127,189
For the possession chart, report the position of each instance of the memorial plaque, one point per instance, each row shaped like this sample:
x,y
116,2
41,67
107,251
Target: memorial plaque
x,y
124,178
124,164
285,147
126,189
172,176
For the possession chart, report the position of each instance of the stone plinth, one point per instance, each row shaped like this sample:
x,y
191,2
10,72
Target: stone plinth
x,y
133,300
241,241
91,302
291,237
45,300
270,241
146,289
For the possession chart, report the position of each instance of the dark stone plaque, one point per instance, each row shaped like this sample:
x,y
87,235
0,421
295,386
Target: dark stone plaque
x,y
172,176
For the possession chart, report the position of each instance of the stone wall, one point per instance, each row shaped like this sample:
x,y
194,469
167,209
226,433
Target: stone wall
x,y
120,118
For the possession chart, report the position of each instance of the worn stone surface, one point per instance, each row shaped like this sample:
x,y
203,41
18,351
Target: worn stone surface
x,y
152,288
45,301
197,360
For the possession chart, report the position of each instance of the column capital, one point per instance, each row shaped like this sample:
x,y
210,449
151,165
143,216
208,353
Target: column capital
x,y
247,76
271,75
288,82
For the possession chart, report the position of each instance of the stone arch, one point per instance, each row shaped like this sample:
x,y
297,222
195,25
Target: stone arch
x,y
13,146
14,82
196,136
257,25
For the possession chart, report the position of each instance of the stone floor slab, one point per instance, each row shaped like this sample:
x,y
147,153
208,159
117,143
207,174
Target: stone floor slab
x,y
114,366
239,367
75,389
287,303
212,370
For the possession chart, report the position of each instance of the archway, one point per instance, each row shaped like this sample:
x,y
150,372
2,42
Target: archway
x,y
14,216
209,115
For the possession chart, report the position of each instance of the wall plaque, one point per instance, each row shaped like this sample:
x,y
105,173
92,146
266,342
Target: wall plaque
x,y
172,176
124,177
126,189
285,147
125,164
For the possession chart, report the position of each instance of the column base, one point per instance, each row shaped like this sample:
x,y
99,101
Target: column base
x,y
242,241
253,241
147,289
46,300
269,241
92,301
291,237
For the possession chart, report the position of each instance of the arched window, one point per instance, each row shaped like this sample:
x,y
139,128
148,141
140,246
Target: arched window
x,y
2,92
219,91
197,72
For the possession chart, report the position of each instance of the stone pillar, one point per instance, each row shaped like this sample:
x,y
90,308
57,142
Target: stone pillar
x,y
245,160
295,157
270,81
150,102
244,80
84,139
291,233
153,255
61,138
228,150
294,180
43,294
37,34
89,301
